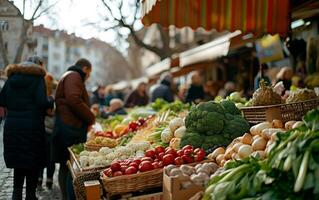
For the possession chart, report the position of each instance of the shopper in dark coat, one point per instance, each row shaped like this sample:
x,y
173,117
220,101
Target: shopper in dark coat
x,y
138,97
24,97
73,117
195,93
163,90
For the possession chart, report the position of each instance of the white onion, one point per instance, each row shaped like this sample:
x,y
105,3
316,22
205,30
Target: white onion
x,y
259,144
245,151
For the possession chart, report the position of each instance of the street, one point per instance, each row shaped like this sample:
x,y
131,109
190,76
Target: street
x,y
6,180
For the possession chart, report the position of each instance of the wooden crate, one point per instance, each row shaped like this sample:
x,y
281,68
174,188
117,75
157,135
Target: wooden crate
x,y
173,188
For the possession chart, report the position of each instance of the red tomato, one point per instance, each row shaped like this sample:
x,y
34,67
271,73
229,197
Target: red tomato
x,y
160,163
131,170
156,160
156,165
168,159
115,167
188,147
178,161
123,168
187,159
198,158
188,152
118,173
133,126
180,153
161,155
171,151
141,121
108,172
137,161
109,135
147,159
200,152
145,166
150,153
133,164
159,149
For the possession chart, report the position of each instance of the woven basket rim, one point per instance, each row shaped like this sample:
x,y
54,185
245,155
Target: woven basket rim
x,y
279,105
129,176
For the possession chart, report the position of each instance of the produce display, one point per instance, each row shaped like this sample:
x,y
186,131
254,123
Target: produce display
x,y
155,159
105,156
265,95
291,170
301,95
198,174
211,124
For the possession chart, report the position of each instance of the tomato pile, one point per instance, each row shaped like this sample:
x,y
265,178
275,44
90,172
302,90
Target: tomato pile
x,y
155,159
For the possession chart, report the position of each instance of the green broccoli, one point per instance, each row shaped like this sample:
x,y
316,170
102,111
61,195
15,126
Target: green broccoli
x,y
214,141
235,126
206,118
230,107
193,139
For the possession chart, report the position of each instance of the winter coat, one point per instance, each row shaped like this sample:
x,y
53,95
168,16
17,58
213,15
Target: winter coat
x,y
163,91
72,100
135,99
120,111
24,96
194,93
73,115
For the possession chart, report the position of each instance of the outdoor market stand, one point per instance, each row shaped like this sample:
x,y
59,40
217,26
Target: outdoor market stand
x,y
222,10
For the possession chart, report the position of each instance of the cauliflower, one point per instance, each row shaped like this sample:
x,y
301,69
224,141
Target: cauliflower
x,y
84,161
140,146
180,132
98,161
124,151
175,124
166,135
140,153
105,150
84,153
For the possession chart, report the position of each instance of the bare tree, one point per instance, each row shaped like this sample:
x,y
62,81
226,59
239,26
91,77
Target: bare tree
x,y
119,17
40,8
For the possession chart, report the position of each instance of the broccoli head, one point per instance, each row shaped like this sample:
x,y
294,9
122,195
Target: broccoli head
x,y
214,141
206,118
193,139
235,126
230,107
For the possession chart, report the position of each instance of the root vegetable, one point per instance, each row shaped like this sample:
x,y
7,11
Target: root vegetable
x,y
219,158
222,163
245,151
176,172
247,138
297,124
216,152
259,127
259,144
175,124
233,156
268,132
255,137
180,132
289,124
228,154
261,154
277,123
237,146
188,170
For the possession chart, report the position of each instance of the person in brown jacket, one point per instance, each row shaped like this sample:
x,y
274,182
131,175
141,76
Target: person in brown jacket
x,y
73,117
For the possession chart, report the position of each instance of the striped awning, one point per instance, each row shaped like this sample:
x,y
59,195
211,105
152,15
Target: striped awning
x,y
255,16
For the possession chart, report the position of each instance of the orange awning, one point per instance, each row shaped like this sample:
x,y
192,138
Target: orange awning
x,y
255,16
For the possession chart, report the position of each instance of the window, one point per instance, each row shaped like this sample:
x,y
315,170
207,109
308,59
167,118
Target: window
x,y
56,56
45,47
6,46
4,25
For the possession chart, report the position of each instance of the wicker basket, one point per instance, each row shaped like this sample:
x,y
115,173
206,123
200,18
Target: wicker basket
x,y
283,112
91,147
77,169
132,183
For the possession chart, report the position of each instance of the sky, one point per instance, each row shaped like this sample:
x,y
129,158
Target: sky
x,y
73,16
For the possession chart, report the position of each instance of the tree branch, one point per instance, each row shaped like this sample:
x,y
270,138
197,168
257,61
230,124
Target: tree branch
x,y
3,51
36,10
44,11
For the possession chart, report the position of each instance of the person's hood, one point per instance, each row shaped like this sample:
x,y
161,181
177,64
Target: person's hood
x,y
23,75
25,68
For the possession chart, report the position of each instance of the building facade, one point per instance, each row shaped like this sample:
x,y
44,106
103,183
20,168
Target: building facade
x,y
60,50
11,27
